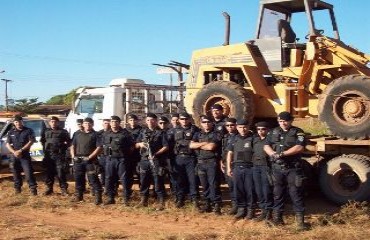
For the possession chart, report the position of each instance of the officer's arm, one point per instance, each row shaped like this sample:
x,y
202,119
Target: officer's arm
x,y
139,145
268,149
11,149
95,153
229,158
196,145
27,146
293,150
161,151
72,151
210,146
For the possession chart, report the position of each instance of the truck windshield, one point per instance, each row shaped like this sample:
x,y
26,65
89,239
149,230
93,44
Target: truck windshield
x,y
90,104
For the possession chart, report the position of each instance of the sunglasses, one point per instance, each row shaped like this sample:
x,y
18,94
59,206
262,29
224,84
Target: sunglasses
x,y
162,123
230,125
261,128
183,118
206,122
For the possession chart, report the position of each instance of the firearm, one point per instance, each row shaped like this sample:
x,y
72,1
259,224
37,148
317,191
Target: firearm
x,y
149,151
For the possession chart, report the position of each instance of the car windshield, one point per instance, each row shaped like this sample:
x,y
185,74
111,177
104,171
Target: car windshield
x,y
36,125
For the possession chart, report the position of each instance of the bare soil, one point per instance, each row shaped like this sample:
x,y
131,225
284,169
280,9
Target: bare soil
x,y
55,217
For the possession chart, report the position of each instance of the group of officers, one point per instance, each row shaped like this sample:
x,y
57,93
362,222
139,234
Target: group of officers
x,y
260,168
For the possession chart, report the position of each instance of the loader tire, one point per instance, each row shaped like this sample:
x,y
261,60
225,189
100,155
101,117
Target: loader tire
x,y
345,178
236,100
345,107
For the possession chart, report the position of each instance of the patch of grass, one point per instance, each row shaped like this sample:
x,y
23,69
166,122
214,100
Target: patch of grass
x,y
312,126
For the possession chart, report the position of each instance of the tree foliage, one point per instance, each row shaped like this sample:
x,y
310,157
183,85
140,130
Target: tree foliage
x,y
63,99
25,105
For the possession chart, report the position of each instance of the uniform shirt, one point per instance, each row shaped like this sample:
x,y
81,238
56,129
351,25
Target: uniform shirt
x,y
226,141
157,140
20,137
281,140
62,142
182,138
135,132
119,142
220,126
210,137
85,143
259,155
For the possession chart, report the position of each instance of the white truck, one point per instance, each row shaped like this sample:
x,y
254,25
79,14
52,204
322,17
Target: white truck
x,y
123,96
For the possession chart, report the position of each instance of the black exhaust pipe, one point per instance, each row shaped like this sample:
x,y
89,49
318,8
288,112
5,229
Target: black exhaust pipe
x,y
227,28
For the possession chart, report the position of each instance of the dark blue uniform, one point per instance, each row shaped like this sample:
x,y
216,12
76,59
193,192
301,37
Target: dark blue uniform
x,y
116,149
242,148
262,175
208,166
171,160
84,144
287,171
134,155
227,140
55,143
18,139
156,139
185,162
102,158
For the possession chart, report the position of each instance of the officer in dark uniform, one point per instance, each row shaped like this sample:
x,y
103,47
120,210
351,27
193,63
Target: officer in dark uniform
x,y
262,178
175,120
207,144
85,148
227,139
153,146
185,160
117,144
218,119
55,142
134,128
101,158
80,127
19,142
284,145
240,154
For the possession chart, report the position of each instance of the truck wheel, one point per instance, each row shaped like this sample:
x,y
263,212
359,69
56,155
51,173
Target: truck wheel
x,y
236,100
345,178
345,107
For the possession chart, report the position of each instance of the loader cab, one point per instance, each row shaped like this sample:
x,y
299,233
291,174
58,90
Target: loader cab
x,y
277,35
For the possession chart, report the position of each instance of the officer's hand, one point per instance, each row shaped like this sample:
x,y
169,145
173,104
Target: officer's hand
x,y
86,159
223,167
18,153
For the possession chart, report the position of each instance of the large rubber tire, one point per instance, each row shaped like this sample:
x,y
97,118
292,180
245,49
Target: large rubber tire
x,y
345,107
345,178
236,100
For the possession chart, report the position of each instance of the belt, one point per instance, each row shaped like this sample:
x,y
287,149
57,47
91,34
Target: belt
x,y
244,164
207,160
184,155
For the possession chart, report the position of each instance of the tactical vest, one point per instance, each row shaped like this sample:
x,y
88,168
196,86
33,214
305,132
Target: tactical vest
x,y
55,140
85,143
226,141
220,127
135,132
282,141
116,144
153,138
182,137
243,149
204,154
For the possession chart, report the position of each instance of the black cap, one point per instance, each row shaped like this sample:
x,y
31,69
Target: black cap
x,y
217,107
115,118
132,116
174,115
163,119
106,119
205,117
286,116
242,122
232,120
262,124
54,118
79,120
18,118
89,120
151,115
184,115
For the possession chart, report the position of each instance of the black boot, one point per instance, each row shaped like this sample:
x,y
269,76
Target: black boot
x,y
110,200
240,213
126,201
143,202
299,219
206,208
160,204
78,197
180,203
195,203
277,219
49,191
261,217
233,209
33,191
217,208
98,198
250,214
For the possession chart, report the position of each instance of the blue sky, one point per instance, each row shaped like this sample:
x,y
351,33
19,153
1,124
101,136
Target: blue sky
x,y
48,47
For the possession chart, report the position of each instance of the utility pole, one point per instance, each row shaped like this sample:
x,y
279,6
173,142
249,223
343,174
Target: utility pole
x,y
6,92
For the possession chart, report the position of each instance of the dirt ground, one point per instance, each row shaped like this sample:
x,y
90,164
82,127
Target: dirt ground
x,y
26,217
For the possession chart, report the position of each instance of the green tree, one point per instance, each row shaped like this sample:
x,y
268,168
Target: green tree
x,y
63,99
26,105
